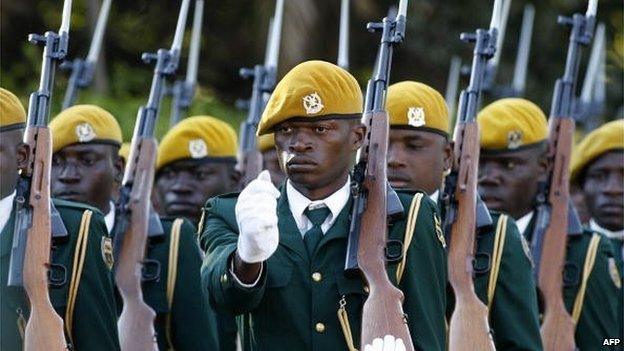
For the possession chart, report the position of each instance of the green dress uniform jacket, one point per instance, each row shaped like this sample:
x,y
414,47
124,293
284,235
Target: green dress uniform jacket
x,y
295,304
184,320
504,282
84,298
591,292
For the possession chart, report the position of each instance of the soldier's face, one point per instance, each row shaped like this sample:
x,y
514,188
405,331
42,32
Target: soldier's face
x,y
9,142
86,173
417,159
508,181
318,154
603,188
270,162
184,186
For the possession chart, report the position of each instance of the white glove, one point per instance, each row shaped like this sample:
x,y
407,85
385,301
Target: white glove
x,y
256,215
388,343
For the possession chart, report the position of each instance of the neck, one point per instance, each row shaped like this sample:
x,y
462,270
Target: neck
x,y
321,192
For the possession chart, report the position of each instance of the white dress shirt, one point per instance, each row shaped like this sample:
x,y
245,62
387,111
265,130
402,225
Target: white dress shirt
x,y
110,217
298,203
6,205
435,196
619,234
523,222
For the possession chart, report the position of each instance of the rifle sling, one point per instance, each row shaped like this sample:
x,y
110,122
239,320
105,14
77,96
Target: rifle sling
x,y
590,259
497,255
412,217
172,273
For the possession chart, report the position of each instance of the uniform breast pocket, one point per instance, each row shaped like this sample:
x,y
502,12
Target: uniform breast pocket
x,y
279,272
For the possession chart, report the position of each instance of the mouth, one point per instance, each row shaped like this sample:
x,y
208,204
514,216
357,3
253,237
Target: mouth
x,y
399,181
177,206
611,208
299,163
69,194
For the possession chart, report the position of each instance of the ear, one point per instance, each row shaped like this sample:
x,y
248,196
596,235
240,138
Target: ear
x,y
448,155
119,166
358,131
235,178
23,150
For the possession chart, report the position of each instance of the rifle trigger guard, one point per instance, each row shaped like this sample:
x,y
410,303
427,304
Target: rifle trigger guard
x,y
57,275
394,251
481,263
150,271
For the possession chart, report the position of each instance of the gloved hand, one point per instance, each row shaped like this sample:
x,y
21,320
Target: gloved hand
x,y
388,343
256,215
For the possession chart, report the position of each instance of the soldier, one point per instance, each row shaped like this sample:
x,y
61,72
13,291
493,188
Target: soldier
x,y
276,257
86,166
513,162
503,274
270,161
196,160
82,292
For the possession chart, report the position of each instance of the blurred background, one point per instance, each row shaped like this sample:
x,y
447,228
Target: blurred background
x,y
234,36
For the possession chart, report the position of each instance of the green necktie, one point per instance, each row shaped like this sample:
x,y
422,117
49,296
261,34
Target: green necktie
x,y
314,235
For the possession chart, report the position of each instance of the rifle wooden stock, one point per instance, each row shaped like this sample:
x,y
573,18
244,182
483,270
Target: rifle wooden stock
x,y
136,323
249,165
468,328
44,329
557,326
382,313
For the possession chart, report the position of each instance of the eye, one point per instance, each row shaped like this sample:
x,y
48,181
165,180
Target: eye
x,y
56,160
321,129
413,146
510,165
167,173
88,160
283,129
201,175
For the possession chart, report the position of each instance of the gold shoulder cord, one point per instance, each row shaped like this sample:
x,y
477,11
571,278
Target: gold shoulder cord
x,y
497,255
590,259
78,264
343,318
173,272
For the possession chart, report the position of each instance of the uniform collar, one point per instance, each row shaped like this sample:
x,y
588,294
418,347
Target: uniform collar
x,y
619,234
6,206
524,221
298,203
109,219
435,196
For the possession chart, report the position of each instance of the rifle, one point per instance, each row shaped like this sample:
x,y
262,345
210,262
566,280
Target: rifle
x,y
491,68
555,216
382,313
524,48
249,162
32,236
132,211
184,90
343,38
452,83
82,71
468,327
591,103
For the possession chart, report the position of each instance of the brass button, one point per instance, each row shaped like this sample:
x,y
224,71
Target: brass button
x,y
366,289
316,276
224,279
320,327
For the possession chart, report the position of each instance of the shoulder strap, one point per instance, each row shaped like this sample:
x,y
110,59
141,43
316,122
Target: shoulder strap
x,y
412,216
497,255
77,266
172,273
588,266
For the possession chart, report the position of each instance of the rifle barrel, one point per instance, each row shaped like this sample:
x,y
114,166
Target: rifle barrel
x,y
524,49
193,60
276,35
98,34
65,22
594,65
343,39
179,32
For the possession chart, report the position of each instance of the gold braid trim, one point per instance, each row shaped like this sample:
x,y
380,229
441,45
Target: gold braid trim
x,y
173,272
409,233
78,264
497,256
590,259
343,318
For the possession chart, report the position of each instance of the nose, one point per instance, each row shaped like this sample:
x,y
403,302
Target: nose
x,y
300,142
181,183
488,174
395,157
614,185
69,174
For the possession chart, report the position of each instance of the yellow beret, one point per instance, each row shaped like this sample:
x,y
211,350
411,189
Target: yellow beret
x,y
124,151
417,105
12,113
197,137
608,137
266,142
312,89
84,124
508,124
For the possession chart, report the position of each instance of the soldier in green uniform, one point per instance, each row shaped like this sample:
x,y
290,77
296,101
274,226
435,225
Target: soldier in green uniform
x,y
512,163
82,289
270,161
276,257
597,169
86,168
503,280
196,160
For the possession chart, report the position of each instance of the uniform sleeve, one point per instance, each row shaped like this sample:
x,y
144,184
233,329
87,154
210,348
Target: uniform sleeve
x,y
514,314
218,239
95,313
194,324
599,317
424,282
